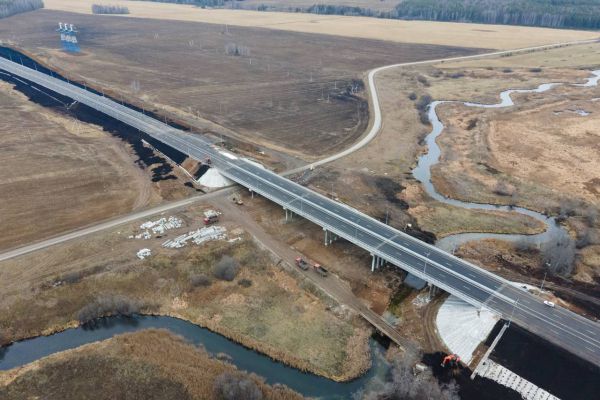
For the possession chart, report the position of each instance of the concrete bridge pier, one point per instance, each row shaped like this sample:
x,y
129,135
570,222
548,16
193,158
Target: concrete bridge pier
x,y
329,237
433,290
376,262
289,215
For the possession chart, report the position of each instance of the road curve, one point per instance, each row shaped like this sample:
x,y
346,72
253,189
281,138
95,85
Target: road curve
x,y
377,121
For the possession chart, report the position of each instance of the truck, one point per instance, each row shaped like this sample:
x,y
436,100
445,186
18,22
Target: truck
x,y
210,217
318,268
301,263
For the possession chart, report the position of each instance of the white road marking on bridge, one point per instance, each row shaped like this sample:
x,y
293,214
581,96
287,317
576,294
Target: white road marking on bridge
x,y
592,350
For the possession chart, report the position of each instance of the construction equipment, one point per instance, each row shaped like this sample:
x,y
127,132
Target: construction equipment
x,y
237,200
303,265
318,268
451,360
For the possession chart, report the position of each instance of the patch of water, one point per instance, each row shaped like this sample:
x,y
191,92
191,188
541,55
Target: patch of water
x,y
29,350
422,172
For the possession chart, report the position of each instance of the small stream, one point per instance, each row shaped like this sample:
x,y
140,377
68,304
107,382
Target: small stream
x,y
26,351
422,173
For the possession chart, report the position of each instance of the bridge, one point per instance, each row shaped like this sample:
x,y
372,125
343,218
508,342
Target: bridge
x,y
471,283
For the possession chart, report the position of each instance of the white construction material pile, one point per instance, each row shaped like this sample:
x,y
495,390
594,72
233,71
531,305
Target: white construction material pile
x,y
157,227
506,377
463,327
213,179
143,253
198,236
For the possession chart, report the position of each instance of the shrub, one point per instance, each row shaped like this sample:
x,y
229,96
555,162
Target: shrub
x,y
226,269
108,9
423,80
536,70
245,283
421,105
507,70
198,280
108,305
228,386
412,96
558,254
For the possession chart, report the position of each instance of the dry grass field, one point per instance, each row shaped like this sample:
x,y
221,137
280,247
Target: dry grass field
x,y
294,92
421,32
151,364
264,307
59,174
541,152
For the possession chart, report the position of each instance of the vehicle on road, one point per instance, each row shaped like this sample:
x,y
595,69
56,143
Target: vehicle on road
x,y
302,264
318,268
549,303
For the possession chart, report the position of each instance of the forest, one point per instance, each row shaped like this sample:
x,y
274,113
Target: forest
x,y
580,14
12,7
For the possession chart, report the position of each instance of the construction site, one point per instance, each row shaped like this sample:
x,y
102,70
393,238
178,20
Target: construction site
x,y
319,226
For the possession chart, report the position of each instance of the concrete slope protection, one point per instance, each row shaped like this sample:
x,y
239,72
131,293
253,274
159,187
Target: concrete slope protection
x,y
468,282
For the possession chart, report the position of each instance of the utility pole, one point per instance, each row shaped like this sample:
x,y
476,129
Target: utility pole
x,y
544,280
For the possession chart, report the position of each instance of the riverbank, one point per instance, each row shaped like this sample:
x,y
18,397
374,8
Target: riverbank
x,y
152,364
264,307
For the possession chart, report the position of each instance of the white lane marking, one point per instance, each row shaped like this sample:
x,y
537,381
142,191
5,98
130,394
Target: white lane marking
x,y
592,350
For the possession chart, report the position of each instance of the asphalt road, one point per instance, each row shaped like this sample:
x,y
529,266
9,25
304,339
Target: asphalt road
x,y
469,282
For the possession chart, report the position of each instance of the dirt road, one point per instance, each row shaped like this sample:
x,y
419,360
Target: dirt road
x,y
332,285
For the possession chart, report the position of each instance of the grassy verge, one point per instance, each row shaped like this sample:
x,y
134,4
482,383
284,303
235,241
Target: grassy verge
x,y
262,307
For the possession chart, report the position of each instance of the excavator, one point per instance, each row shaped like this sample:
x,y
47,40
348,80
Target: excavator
x,y
451,360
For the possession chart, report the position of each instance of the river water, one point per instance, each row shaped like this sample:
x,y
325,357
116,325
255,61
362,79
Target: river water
x,y
422,172
26,351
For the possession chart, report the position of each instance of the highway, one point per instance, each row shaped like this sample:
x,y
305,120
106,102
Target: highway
x,y
469,282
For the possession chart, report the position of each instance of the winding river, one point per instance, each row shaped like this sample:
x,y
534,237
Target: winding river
x,y
26,351
422,172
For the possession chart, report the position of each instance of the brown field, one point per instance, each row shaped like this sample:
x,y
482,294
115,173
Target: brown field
x,y
151,364
61,173
421,32
277,313
292,92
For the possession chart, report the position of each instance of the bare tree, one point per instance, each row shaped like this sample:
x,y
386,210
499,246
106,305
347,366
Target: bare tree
x,y
229,386
109,305
558,255
226,269
233,49
197,280
404,384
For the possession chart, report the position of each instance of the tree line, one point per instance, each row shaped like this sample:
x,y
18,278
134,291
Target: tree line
x,y
577,14
12,7
199,3
109,9
581,14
